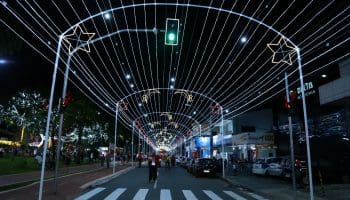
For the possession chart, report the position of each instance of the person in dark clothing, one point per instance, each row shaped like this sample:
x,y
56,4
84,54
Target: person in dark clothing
x,y
140,159
152,169
102,159
107,159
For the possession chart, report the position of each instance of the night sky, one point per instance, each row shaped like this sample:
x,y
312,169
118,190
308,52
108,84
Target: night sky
x,y
223,67
24,70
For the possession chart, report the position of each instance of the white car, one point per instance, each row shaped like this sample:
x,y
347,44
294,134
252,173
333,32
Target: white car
x,y
266,165
275,167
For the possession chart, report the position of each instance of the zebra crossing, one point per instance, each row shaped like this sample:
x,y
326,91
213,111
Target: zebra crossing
x,y
165,194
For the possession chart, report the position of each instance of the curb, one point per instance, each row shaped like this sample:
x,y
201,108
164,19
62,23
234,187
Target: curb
x,y
105,179
241,187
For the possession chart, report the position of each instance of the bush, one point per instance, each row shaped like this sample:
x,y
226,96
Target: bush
x,y
17,164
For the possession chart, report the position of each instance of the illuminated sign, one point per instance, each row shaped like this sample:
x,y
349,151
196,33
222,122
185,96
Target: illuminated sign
x,y
308,88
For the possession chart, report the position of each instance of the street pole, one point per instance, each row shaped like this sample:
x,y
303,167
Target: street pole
x,y
290,136
144,145
115,134
306,126
59,138
49,118
132,143
222,142
138,149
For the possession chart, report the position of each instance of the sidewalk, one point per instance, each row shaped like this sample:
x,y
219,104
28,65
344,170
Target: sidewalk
x,y
275,188
31,176
69,185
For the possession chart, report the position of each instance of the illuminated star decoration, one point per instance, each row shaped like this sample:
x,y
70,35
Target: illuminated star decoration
x,y
170,117
77,39
282,52
148,94
174,124
186,94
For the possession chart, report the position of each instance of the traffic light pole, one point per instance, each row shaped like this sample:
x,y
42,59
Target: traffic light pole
x,y
306,126
290,137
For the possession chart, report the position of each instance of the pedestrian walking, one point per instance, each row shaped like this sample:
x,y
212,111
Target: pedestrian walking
x,y
152,168
140,158
102,159
108,160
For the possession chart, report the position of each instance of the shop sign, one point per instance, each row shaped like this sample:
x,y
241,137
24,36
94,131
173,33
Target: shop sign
x,y
308,88
253,138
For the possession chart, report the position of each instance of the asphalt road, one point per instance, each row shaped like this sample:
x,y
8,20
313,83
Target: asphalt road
x,y
172,184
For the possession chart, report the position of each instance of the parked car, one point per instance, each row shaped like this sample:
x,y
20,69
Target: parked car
x,y
204,166
275,167
261,166
299,163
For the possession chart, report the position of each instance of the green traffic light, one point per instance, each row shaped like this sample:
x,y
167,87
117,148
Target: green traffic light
x,y
171,37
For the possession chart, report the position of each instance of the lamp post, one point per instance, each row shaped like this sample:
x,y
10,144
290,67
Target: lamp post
x,y
115,134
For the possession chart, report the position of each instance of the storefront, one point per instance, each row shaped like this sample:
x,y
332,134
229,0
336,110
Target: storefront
x,y
203,146
252,146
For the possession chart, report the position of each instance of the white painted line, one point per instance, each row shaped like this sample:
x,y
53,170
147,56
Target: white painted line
x,y
155,184
165,194
211,195
234,195
141,194
189,195
90,194
115,194
258,197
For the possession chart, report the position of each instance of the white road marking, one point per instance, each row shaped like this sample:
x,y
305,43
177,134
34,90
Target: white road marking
x,y
212,195
141,194
155,184
234,195
258,197
165,194
90,194
115,194
189,195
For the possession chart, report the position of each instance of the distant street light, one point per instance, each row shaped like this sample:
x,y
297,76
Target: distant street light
x,y
3,61
243,39
107,16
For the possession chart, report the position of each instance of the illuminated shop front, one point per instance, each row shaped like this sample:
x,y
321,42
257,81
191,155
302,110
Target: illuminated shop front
x,y
252,146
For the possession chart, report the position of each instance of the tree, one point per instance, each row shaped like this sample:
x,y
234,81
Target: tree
x,y
25,110
80,114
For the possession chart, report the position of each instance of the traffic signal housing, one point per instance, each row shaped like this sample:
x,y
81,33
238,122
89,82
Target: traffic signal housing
x,y
172,31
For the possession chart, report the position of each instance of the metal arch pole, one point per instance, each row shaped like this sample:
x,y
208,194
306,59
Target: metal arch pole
x,y
222,141
49,118
290,137
306,126
58,148
200,129
115,134
144,145
132,143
